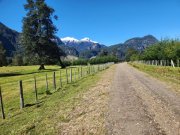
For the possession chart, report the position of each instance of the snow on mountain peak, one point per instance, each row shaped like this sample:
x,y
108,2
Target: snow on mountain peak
x,y
71,39
86,39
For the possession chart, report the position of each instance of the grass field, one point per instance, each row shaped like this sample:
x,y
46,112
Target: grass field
x,y
168,74
37,117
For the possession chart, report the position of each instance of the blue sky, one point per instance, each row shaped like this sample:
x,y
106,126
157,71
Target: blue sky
x,y
106,21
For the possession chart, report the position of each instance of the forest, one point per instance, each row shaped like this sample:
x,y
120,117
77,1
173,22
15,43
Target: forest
x,y
163,50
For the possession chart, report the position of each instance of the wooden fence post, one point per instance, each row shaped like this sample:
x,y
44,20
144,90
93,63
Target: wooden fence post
x,y
35,89
71,75
67,76
46,84
161,63
60,79
156,63
2,106
74,74
78,74
54,80
164,62
177,63
87,72
21,94
172,63
89,69
81,71
167,62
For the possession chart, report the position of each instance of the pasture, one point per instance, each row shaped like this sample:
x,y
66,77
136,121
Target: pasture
x,y
20,121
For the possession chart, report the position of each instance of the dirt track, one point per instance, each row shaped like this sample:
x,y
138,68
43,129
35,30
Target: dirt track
x,y
141,105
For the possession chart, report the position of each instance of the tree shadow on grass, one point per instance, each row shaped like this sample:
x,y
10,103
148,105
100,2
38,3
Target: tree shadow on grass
x,y
38,104
9,74
18,74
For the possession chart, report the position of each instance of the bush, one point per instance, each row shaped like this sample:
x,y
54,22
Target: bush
x,y
66,63
17,60
80,62
164,50
103,59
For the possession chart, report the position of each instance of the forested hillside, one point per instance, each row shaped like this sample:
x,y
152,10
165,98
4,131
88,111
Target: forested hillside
x,y
164,50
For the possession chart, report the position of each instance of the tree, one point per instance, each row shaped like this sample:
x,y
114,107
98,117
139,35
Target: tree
x,y
130,52
164,50
103,53
17,60
39,33
103,59
3,61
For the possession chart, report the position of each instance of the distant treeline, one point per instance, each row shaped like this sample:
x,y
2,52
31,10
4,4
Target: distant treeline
x,y
164,50
96,60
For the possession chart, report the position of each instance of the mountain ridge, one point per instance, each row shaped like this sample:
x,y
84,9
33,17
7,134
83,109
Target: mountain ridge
x,y
9,39
137,43
82,44
85,48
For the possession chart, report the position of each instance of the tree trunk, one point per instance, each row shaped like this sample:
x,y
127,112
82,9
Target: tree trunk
x,y
61,63
41,67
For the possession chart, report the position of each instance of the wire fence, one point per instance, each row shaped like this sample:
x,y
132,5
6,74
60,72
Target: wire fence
x,y
32,90
160,62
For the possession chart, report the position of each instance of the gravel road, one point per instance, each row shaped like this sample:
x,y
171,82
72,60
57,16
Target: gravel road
x,y
141,105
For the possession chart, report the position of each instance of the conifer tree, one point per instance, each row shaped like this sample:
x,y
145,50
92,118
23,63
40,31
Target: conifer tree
x,y
38,34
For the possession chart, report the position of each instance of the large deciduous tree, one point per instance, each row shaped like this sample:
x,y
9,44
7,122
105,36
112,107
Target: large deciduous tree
x,y
39,33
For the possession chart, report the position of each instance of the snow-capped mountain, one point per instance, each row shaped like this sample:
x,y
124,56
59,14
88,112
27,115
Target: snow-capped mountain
x,y
69,39
84,48
82,44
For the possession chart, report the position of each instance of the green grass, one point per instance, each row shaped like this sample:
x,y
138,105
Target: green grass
x,y
168,74
39,118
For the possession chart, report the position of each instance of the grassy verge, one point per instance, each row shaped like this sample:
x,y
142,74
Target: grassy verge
x,y
40,118
168,74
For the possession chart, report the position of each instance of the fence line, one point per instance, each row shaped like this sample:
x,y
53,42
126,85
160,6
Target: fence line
x,y
160,62
77,72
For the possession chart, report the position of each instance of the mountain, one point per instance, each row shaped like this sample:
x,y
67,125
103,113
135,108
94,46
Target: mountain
x,y
9,39
88,48
83,44
69,50
140,43
66,49
137,43
85,47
